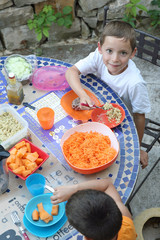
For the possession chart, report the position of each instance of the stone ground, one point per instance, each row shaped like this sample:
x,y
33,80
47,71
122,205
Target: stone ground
x,y
149,194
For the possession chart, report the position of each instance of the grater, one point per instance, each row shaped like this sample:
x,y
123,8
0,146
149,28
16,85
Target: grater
x,y
17,222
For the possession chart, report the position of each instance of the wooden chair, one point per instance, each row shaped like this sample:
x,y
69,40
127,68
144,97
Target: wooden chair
x,y
148,48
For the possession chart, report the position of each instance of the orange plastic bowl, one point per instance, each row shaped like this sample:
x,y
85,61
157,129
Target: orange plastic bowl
x,y
95,127
83,115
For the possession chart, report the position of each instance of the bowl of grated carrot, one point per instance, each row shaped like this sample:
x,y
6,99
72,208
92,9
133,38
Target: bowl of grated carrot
x,y
90,147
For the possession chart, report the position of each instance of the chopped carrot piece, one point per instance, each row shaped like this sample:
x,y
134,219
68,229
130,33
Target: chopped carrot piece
x,y
32,156
26,173
19,170
40,207
11,159
55,209
18,161
39,160
28,147
43,214
31,166
35,215
25,161
47,220
13,151
21,152
13,166
25,155
20,144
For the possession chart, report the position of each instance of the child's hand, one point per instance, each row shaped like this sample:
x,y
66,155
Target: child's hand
x,y
62,194
143,159
86,100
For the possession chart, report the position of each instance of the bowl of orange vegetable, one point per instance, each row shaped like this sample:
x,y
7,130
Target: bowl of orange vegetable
x,y
25,158
90,147
43,206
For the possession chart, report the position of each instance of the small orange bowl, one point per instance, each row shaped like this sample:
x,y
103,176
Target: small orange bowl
x,y
94,127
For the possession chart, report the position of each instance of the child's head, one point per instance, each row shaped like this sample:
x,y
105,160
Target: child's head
x,y
117,46
94,214
119,29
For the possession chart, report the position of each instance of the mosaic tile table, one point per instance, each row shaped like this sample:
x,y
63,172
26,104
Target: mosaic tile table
x,y
57,172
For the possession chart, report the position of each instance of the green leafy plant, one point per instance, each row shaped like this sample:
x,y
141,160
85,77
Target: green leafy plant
x,y
42,22
133,12
154,14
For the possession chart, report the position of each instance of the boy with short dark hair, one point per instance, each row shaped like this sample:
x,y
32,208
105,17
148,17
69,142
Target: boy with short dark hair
x,y
112,62
95,209
94,214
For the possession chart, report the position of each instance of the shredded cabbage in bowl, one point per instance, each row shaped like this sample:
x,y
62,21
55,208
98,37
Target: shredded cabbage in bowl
x,y
19,66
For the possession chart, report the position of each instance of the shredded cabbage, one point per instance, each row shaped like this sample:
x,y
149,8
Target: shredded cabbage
x,y
19,66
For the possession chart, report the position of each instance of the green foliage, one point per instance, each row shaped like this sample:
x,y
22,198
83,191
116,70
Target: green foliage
x,y
154,14
133,12
42,22
156,2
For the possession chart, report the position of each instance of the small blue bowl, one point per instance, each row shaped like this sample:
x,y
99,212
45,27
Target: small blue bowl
x,y
45,199
35,184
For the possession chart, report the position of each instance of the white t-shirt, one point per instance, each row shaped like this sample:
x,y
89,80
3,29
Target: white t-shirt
x,y
129,85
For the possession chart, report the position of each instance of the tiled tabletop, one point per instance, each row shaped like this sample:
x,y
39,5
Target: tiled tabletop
x,y
123,172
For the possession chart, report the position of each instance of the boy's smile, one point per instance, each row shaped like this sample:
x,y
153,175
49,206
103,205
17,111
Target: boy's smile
x,y
116,53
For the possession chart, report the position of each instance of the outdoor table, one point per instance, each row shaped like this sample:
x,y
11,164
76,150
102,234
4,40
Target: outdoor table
x,y
123,172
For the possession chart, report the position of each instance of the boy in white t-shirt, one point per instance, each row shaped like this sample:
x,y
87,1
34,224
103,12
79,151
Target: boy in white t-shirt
x,y
112,63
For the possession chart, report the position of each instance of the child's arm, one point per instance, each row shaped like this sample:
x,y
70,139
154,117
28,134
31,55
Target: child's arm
x,y
72,76
112,192
63,193
139,120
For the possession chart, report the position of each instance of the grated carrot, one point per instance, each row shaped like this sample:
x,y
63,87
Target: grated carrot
x,y
88,150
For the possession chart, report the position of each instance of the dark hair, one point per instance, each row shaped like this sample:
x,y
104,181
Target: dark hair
x,y
119,29
94,214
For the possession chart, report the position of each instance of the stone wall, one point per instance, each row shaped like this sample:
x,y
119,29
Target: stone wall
x,y
88,20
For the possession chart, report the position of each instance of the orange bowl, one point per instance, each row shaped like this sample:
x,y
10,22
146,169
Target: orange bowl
x,y
94,127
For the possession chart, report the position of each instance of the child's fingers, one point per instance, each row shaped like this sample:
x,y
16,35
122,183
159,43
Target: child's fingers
x,y
54,200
